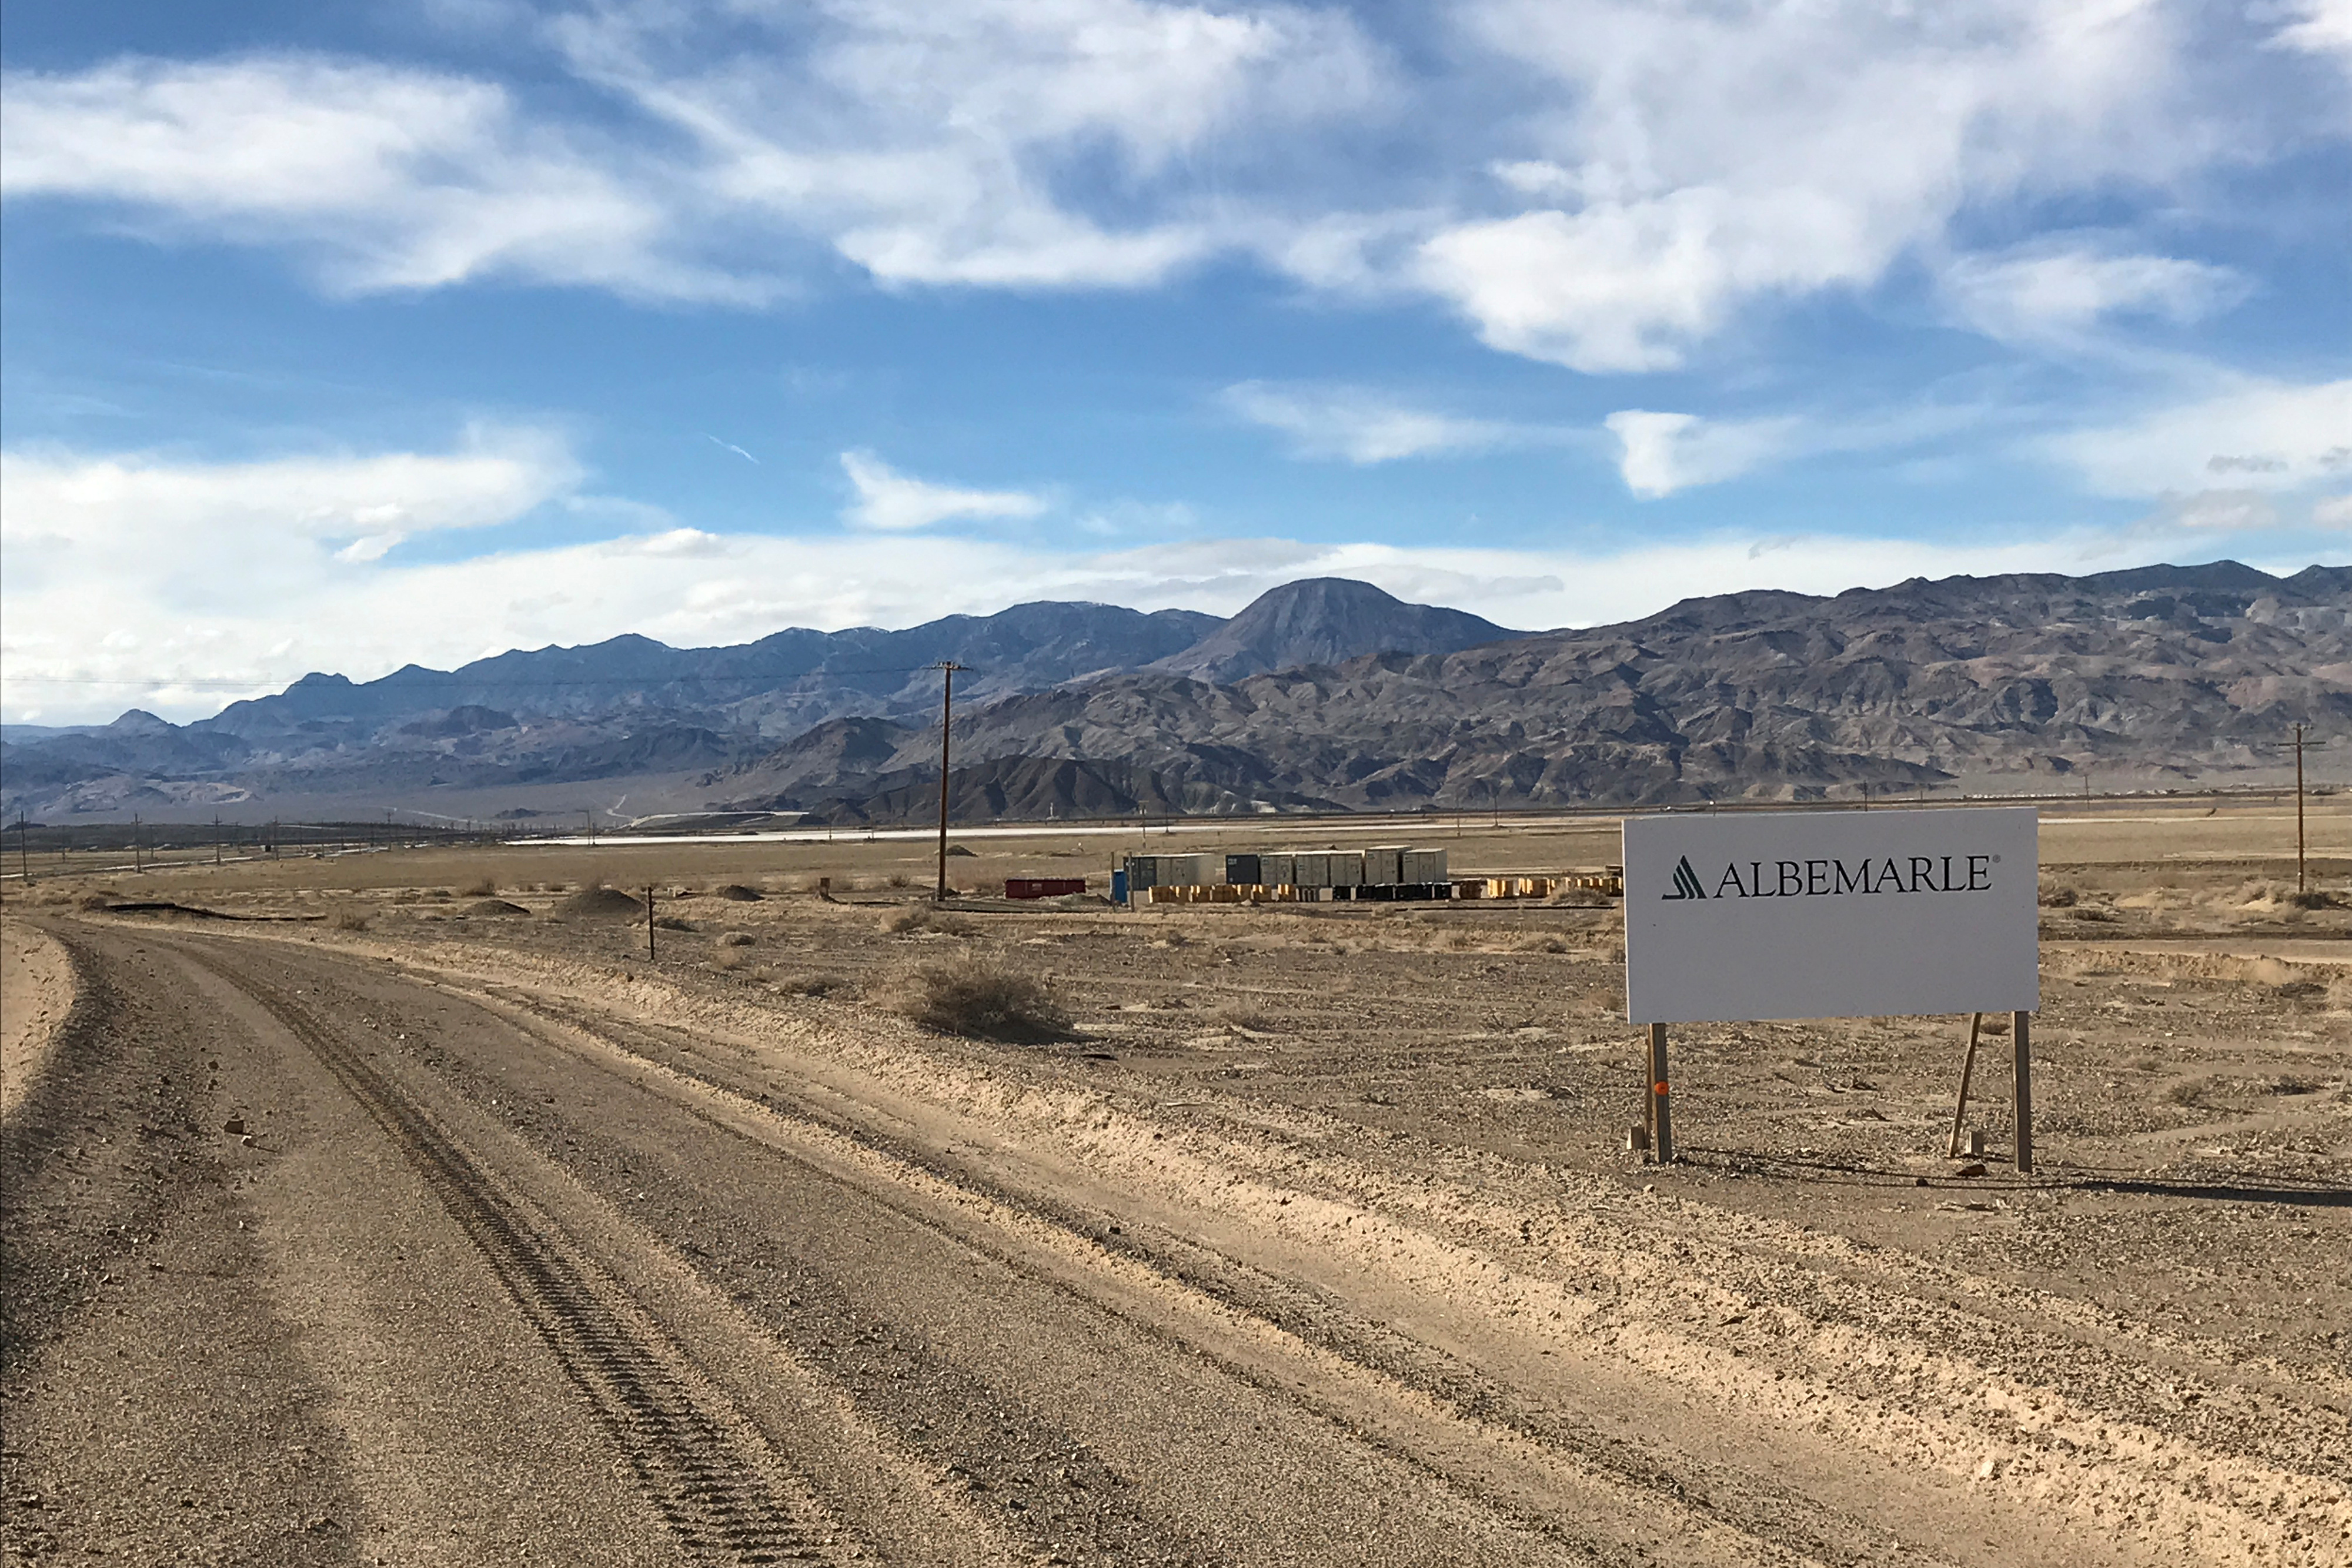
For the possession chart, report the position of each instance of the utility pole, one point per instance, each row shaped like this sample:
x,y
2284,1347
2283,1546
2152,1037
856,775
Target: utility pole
x,y
24,854
217,840
135,865
948,668
2299,885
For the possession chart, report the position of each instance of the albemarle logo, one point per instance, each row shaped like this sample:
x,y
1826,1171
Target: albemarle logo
x,y
1830,878
1686,881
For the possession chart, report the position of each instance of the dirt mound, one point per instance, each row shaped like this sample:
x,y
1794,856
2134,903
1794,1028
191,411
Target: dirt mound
x,y
498,908
739,893
601,903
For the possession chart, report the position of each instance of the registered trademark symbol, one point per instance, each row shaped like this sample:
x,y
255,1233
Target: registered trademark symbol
x,y
1996,860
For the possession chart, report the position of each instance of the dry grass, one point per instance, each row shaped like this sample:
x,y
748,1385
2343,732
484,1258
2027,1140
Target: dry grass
x,y
348,918
978,1000
924,919
735,939
1240,1018
480,887
815,985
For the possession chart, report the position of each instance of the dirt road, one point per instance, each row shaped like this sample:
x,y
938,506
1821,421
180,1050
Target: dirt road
x,y
323,1252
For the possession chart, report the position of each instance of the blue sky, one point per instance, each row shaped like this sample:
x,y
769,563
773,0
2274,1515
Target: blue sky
x,y
337,337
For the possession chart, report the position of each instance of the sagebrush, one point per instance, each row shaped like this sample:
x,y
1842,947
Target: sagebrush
x,y
980,1000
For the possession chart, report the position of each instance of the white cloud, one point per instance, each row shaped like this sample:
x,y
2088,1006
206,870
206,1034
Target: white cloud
x,y
896,502
1364,427
2261,436
1660,454
1604,185
391,178
1698,159
2057,293
2320,27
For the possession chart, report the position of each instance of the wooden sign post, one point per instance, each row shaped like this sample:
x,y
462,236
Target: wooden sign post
x,y
1662,1116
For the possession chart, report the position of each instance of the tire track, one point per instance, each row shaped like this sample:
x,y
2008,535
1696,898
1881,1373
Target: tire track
x,y
1772,1517
724,1493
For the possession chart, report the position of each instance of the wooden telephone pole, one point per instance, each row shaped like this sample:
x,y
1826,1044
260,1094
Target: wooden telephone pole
x,y
2299,884
947,668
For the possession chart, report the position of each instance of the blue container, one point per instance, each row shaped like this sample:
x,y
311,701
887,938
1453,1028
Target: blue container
x,y
1118,886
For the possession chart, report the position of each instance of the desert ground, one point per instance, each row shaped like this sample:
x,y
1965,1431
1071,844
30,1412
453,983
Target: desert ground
x,y
397,1208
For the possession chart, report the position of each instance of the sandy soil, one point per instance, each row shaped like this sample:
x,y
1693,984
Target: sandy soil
x,y
1317,1242
35,989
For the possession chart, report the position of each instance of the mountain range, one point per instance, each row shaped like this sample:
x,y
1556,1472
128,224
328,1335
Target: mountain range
x,y
1322,694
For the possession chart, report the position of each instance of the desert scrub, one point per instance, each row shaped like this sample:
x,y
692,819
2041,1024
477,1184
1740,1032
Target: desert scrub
x,y
977,1000
735,939
480,887
920,919
2060,898
814,985
348,918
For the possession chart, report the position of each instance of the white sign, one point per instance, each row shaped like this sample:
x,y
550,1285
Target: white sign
x,y
1793,915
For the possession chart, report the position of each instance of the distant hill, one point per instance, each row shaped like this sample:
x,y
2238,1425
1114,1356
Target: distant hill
x,y
1325,621
634,708
1325,694
2154,675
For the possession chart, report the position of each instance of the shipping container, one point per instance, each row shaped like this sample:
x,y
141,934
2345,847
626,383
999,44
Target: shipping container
x,y
1347,868
1278,871
1424,866
1311,868
1166,871
1384,865
1242,871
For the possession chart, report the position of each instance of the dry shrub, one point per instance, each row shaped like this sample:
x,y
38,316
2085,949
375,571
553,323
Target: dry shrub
x,y
1538,942
737,893
735,939
725,958
480,887
898,879
1241,1018
977,1000
2312,898
348,918
2060,898
672,923
814,985
102,899
922,919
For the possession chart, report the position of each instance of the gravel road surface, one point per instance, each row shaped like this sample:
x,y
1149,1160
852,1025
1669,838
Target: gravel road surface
x,y
320,1252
